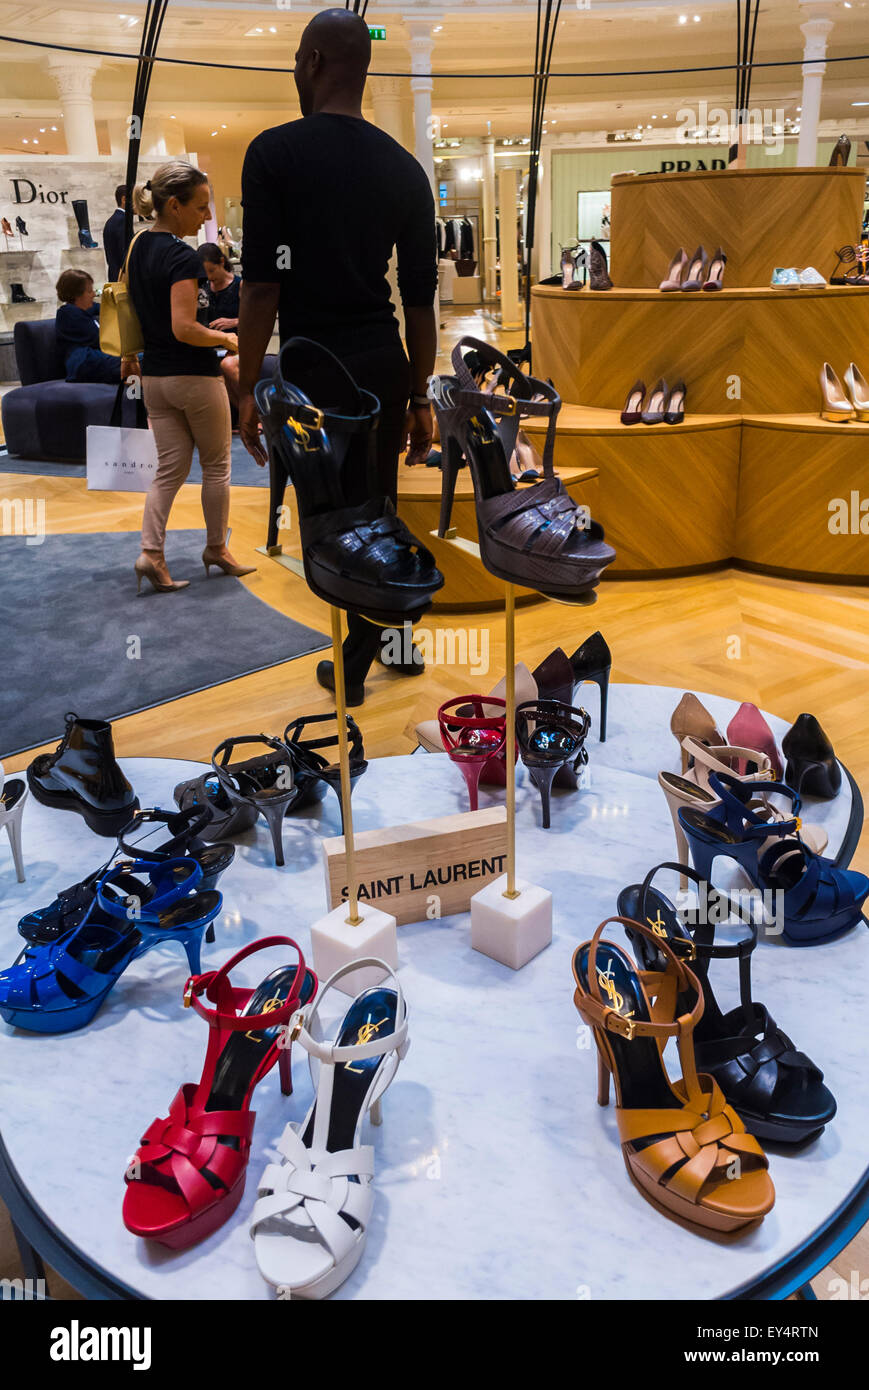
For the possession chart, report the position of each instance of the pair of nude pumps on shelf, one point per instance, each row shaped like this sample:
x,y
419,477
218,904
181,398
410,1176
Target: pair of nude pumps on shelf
x,y
839,403
697,274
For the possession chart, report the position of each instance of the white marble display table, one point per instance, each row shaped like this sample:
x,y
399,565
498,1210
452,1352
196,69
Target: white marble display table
x,y
498,1176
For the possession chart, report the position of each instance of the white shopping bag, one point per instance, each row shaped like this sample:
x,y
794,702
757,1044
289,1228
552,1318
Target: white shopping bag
x,y
120,459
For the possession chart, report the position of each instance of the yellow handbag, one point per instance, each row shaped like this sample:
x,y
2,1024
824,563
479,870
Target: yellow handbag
x,y
120,329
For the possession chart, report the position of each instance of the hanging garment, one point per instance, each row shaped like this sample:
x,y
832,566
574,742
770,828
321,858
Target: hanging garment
x,y
466,240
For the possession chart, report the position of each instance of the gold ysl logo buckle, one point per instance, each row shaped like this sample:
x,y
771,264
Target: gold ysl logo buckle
x,y
658,926
268,1008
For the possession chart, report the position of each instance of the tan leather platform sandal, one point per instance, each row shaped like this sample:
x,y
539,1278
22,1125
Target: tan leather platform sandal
x,y
684,1147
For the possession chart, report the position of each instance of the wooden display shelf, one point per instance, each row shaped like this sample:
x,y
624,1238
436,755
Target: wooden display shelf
x,y
741,352
761,218
468,586
666,499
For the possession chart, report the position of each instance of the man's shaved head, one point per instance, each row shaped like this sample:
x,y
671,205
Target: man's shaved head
x,y
332,60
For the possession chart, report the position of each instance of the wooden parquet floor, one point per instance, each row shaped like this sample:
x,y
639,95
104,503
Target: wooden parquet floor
x,y
786,646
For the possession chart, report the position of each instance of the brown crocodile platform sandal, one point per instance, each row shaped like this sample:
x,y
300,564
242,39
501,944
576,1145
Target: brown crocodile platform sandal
x,y
684,1147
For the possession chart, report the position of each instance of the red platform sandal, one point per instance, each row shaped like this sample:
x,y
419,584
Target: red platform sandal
x,y
188,1175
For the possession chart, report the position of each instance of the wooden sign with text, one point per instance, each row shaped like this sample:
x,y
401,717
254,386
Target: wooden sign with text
x,y
430,868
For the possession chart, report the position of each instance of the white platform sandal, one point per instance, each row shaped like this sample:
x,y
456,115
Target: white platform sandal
x,y
13,794
313,1208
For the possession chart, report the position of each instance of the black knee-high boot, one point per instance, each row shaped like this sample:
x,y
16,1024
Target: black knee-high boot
x,y
80,210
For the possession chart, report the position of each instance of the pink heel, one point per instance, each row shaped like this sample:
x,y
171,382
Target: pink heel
x,y
749,729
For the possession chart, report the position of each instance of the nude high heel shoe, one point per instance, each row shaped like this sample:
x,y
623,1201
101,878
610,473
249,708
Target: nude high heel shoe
x,y
834,403
146,569
691,719
209,558
858,390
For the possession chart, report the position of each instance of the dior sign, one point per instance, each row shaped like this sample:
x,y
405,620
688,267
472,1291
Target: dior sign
x,y
27,192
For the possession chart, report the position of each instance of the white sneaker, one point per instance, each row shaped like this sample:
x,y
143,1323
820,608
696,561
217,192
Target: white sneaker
x,y
810,279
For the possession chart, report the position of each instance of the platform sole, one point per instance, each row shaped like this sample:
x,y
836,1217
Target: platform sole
x,y
209,1221
685,1211
328,1282
107,823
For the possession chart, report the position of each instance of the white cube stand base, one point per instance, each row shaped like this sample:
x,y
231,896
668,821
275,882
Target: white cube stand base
x,y
335,942
511,930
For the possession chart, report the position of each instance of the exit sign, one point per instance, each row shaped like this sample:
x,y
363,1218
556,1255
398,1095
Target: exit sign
x,y
377,31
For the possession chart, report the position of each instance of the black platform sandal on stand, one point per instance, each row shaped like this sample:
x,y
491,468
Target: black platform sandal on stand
x,y
551,738
266,782
535,536
311,768
777,1091
360,558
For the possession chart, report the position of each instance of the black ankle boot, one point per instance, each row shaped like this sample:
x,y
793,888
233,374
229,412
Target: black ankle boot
x,y
22,226
80,209
83,776
18,295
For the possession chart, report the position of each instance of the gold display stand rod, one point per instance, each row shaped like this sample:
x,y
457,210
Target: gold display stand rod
x,y
510,720
344,762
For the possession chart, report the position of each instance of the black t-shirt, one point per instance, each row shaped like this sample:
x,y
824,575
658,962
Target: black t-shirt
x,y
326,199
157,261
223,304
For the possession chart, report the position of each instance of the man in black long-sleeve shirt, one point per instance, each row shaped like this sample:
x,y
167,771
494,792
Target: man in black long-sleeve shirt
x,y
115,235
326,199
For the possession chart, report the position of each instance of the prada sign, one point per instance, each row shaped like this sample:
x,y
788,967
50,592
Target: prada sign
x,y
26,191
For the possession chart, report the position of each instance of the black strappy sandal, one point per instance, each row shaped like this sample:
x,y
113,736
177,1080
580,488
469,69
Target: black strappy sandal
x,y
361,558
551,737
777,1091
70,907
267,783
312,768
225,817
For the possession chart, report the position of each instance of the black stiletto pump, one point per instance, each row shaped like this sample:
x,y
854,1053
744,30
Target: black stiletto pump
x,y
812,767
592,661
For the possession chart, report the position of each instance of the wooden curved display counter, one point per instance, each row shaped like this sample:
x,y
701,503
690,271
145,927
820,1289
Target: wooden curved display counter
x,y
468,586
754,477
741,352
761,217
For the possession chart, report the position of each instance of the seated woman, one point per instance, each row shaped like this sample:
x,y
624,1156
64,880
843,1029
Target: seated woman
x,y
77,324
223,293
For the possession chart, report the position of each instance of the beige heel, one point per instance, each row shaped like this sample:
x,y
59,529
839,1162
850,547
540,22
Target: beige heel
x,y
603,1078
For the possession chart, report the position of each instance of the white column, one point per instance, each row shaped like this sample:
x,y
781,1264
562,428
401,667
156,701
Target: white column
x,y
118,136
154,144
421,47
511,309
73,76
542,255
490,255
386,98
816,32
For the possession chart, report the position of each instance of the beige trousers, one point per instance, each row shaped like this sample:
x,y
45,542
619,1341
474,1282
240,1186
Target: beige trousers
x,y
188,411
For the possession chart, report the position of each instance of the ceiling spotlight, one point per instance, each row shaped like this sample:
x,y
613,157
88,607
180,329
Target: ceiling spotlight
x,y
214,132
25,142
272,29
173,118
696,19
36,142
683,19
54,127
42,130
437,29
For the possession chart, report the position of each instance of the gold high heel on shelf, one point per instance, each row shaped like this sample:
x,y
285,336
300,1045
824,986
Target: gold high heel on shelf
x,y
691,719
858,390
209,558
835,404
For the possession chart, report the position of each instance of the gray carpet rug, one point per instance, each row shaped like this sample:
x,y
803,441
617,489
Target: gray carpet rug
x,y
245,473
77,637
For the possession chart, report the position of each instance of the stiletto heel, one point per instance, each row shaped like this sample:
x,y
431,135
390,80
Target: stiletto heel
x,y
603,684
551,739
473,739
285,1069
266,782
376,1112
451,462
603,1077
311,768
314,1205
191,1166
13,795
776,1090
686,1150
209,935
686,759
191,948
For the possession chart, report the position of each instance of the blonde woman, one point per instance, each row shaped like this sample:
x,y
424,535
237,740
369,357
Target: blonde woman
x,y
181,380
